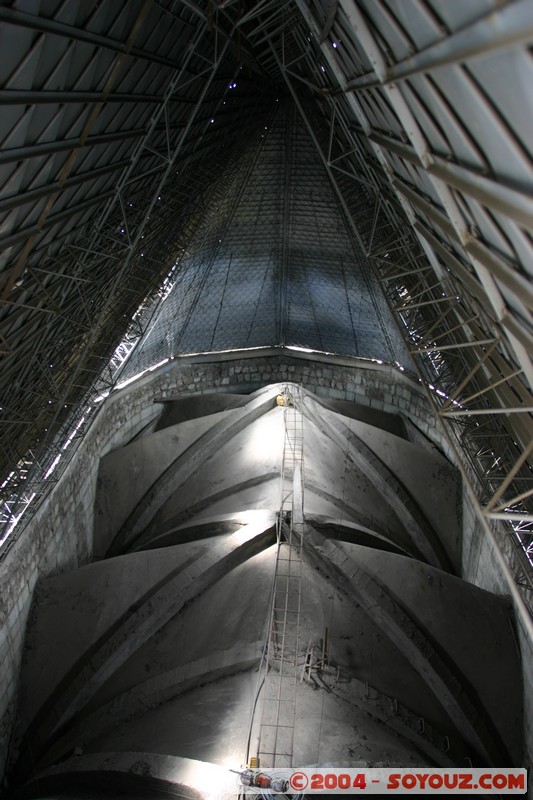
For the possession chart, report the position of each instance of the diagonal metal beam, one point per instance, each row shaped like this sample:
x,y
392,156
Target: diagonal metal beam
x,y
69,164
509,25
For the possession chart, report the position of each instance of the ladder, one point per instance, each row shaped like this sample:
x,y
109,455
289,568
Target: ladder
x,y
276,736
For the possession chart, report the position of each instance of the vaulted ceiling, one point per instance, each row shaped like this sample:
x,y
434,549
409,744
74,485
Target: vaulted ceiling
x,y
131,133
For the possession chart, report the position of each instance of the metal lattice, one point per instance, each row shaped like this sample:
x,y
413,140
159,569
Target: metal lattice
x,y
420,115
274,253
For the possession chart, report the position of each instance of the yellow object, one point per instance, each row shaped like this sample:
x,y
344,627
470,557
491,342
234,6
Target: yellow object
x,y
254,760
281,400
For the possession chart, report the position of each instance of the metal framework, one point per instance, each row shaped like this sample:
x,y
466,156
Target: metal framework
x,y
274,253
117,121
101,195
377,92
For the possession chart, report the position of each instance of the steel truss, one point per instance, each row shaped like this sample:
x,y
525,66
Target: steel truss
x,y
439,200
99,289
462,308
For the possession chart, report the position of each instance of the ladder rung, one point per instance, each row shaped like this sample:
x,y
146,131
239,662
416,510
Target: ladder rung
x,y
284,657
275,725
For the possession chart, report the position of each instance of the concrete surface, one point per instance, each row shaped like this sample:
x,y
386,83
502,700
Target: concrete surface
x,y
154,649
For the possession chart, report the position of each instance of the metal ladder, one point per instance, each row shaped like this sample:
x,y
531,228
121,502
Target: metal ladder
x,y
276,736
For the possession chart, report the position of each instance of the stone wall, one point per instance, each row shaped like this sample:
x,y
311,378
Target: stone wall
x,y
59,535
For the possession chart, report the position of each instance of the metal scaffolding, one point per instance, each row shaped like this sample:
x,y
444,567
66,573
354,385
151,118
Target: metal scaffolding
x,y
79,286
116,128
447,241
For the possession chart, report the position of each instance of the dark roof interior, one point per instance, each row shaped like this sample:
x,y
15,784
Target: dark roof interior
x,y
132,135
